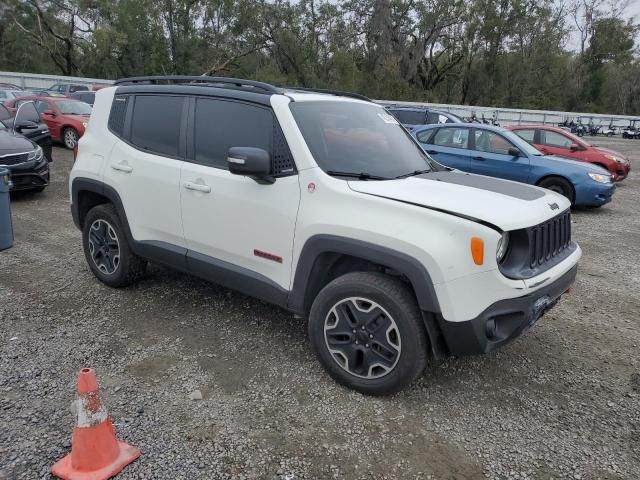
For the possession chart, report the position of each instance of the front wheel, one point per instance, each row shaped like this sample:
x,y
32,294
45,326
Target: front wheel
x,y
367,331
70,137
558,185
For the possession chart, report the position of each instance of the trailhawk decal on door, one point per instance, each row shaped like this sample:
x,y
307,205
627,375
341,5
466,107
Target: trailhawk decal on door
x,y
267,255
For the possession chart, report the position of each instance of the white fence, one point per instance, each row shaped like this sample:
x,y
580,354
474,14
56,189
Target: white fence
x,y
504,116
36,80
512,116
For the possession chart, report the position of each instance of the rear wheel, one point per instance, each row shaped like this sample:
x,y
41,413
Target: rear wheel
x,y
70,137
106,249
367,331
558,185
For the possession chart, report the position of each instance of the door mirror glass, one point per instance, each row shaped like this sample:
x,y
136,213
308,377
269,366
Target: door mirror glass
x,y
251,162
574,147
514,152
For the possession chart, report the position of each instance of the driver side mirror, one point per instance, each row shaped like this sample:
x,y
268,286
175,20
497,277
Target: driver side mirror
x,y
574,147
26,125
514,152
251,162
49,113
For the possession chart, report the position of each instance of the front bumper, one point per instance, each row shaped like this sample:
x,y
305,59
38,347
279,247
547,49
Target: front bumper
x,y
621,171
29,176
594,194
501,322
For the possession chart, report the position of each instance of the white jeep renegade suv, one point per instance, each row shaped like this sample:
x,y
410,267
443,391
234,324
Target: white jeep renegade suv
x,y
319,202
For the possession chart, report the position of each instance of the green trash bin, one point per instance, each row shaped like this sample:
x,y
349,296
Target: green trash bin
x,y
6,227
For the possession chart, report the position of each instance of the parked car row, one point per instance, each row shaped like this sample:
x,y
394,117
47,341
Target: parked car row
x,y
541,155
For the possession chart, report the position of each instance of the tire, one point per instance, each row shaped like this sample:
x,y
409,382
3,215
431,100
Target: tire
x,y
70,137
558,185
355,309
106,248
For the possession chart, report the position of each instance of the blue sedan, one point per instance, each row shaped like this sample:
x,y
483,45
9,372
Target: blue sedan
x,y
496,152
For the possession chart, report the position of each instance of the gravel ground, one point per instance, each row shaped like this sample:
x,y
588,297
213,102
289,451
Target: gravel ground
x,y
561,402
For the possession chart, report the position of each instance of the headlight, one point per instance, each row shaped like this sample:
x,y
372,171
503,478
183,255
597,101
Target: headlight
x,y
36,154
503,245
616,159
600,178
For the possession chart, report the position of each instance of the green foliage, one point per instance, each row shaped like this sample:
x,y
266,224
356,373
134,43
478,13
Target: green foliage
x,y
484,52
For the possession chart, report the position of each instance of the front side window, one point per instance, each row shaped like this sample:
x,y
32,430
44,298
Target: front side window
x,y
554,139
491,142
526,135
452,137
358,138
155,123
220,125
42,106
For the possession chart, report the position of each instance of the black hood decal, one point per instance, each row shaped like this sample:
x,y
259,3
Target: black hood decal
x,y
517,190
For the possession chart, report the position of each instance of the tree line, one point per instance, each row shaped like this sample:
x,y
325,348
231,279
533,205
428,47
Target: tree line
x,y
576,55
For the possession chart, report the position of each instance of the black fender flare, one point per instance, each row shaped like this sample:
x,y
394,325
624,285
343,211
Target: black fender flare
x,y
400,262
81,184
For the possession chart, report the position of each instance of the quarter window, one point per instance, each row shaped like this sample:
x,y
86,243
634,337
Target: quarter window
x,y
554,139
155,123
452,137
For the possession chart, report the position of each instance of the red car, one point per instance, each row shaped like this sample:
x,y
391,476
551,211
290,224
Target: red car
x,y
555,141
65,117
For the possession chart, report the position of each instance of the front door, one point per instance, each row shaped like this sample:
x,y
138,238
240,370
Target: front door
x,y
448,146
231,223
491,157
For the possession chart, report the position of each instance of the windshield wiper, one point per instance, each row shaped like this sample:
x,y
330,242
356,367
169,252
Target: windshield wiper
x,y
359,176
413,174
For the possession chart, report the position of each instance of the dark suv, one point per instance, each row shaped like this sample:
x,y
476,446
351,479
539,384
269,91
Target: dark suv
x,y
67,88
28,167
413,117
30,125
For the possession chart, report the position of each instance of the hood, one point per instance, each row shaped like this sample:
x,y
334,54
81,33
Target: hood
x,y
608,151
10,143
577,164
501,203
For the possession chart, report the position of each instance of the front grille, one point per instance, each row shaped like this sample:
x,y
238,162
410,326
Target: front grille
x,y
14,159
549,239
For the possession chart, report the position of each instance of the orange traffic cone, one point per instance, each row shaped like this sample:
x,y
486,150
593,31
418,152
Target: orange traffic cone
x,y
95,452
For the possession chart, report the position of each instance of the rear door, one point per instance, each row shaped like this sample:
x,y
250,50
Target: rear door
x,y
144,167
230,221
490,156
448,146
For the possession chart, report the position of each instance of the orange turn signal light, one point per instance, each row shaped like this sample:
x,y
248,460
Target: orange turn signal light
x,y
477,250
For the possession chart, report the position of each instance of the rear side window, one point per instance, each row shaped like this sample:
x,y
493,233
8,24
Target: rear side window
x,y
220,125
155,123
452,137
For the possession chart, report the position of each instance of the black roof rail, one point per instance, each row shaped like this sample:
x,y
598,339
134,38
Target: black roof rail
x,y
199,79
339,93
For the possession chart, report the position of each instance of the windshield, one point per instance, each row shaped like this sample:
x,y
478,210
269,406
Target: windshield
x,y
358,138
522,145
409,117
73,107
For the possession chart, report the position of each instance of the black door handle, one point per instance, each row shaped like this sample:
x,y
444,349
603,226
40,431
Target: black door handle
x,y
432,152
479,158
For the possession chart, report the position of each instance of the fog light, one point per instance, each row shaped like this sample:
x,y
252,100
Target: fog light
x,y
490,328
